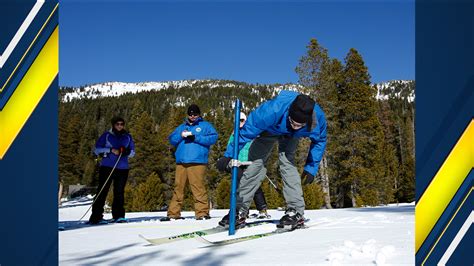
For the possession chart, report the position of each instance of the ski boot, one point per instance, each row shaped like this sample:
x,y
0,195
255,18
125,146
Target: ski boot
x,y
239,220
291,220
263,214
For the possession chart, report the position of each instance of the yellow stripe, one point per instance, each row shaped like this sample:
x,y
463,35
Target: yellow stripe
x,y
444,185
446,227
29,47
29,92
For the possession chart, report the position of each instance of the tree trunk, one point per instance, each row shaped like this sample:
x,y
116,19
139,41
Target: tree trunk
x,y
60,193
354,202
413,131
325,183
400,143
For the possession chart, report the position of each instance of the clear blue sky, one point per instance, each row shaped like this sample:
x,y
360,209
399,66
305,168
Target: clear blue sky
x,y
258,41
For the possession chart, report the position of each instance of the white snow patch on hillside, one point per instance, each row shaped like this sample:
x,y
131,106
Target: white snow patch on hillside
x,y
385,90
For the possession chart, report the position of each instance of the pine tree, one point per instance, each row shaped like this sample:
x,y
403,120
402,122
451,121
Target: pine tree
x,y
143,131
313,196
223,193
70,168
406,192
149,195
390,159
222,125
188,201
311,66
273,197
361,136
321,77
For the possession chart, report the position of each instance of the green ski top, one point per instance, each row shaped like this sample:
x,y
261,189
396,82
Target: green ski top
x,y
244,152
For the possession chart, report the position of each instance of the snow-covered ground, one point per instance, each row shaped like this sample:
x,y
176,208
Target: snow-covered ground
x,y
359,236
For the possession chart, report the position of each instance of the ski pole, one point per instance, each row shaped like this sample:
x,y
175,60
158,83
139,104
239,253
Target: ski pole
x,y
107,180
247,163
273,184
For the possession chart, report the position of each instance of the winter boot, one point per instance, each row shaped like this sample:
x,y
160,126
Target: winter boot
x,y
97,222
262,214
239,220
96,219
291,220
167,218
120,220
205,217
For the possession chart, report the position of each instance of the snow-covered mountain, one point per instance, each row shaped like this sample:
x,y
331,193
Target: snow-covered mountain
x,y
115,89
385,90
404,89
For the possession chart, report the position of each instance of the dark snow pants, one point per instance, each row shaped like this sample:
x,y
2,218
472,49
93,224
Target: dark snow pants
x,y
119,178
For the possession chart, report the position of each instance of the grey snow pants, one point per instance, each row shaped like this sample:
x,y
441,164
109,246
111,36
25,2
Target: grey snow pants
x,y
259,152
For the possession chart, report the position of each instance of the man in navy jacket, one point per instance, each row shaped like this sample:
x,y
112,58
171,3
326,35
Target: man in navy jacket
x,y
192,140
284,119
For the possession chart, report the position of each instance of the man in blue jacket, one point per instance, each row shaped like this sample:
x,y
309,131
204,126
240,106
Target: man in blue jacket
x,y
284,119
116,146
192,140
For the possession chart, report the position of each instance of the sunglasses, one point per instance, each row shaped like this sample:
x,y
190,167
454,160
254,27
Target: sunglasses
x,y
119,124
295,124
193,114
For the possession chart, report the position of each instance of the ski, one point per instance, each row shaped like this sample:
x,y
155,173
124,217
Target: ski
x,y
242,239
250,237
204,232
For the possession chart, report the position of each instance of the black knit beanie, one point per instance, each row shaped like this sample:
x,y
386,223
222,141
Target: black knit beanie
x,y
193,109
301,110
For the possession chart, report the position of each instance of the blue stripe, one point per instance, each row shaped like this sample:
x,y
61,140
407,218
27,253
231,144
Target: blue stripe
x,y
451,233
463,253
443,221
33,53
25,42
12,15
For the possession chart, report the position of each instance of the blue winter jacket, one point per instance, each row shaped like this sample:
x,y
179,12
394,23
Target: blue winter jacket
x,y
110,140
272,116
197,150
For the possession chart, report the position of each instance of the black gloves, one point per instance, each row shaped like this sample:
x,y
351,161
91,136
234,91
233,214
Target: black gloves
x,y
128,151
223,163
125,151
306,178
